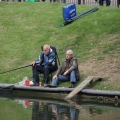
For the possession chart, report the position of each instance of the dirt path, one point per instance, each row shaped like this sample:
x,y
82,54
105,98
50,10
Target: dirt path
x,y
107,68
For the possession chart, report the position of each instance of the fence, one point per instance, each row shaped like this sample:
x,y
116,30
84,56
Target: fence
x,y
110,3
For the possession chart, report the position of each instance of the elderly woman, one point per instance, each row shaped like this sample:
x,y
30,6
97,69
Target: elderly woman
x,y
67,71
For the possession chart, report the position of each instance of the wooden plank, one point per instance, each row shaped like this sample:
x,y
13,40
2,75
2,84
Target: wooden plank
x,y
81,86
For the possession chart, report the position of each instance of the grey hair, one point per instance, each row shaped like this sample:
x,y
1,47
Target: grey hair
x,y
46,45
70,52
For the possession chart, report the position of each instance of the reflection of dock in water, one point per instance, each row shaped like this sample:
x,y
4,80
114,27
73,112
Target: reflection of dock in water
x,y
45,94
77,102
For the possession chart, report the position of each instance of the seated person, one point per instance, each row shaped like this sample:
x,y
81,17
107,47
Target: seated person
x,y
47,63
67,71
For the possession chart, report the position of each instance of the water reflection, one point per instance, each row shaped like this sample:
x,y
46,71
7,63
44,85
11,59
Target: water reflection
x,y
46,111
53,109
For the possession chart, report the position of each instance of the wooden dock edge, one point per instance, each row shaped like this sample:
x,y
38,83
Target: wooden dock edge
x,y
82,85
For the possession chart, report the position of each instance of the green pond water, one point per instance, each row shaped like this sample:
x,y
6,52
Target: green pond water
x,y
51,109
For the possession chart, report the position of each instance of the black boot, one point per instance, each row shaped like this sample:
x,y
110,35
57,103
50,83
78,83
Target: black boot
x,y
71,85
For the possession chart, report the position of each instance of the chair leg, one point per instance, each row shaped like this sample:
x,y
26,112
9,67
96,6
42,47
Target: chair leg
x,y
50,78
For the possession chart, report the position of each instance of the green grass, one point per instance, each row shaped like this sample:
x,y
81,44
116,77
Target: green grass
x,y
25,27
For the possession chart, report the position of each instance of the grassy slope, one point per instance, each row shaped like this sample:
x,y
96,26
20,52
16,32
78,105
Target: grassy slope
x,y
95,40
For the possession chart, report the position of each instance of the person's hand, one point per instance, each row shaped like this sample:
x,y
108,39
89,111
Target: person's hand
x,y
33,63
65,73
54,77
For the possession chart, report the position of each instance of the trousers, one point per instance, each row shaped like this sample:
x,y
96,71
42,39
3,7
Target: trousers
x,y
46,70
107,2
71,78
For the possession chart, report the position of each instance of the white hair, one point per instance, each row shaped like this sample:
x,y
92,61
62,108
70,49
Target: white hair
x,y
46,45
70,52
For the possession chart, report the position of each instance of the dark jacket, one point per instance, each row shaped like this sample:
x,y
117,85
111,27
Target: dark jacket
x,y
73,65
49,60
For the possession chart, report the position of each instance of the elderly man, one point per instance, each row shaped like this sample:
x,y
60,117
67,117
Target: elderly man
x,y
67,71
47,63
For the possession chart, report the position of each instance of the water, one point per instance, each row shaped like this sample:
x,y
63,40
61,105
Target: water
x,y
53,109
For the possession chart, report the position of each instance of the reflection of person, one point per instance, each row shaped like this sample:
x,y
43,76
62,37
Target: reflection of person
x,y
35,111
40,112
47,64
68,70
64,112
44,111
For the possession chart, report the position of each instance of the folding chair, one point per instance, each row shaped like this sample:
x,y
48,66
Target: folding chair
x,y
57,60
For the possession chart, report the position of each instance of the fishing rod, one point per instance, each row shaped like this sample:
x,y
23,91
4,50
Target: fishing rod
x,y
20,68
28,65
16,68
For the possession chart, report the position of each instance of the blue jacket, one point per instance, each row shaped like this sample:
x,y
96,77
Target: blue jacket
x,y
49,60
